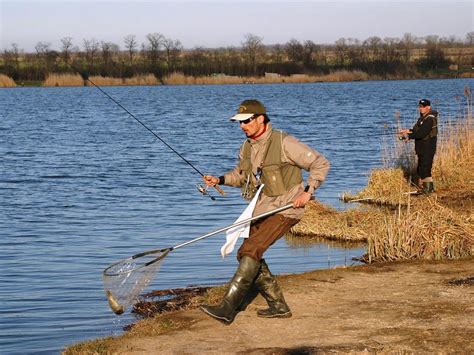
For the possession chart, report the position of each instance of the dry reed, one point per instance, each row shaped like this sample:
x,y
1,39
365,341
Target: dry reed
x,y
321,221
269,78
6,81
105,81
415,227
452,166
63,80
431,231
142,80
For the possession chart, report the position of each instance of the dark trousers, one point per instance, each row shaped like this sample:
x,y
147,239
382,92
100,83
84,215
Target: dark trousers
x,y
425,150
425,163
263,234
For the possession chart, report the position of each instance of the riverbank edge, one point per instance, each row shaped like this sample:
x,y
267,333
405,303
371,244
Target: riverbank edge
x,y
280,79
410,294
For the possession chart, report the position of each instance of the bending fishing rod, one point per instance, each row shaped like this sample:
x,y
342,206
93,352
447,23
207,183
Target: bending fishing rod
x,y
202,189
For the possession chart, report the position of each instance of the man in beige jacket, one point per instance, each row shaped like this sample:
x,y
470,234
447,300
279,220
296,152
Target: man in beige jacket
x,y
275,159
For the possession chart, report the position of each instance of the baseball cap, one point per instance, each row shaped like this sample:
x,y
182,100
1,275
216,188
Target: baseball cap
x,y
424,102
247,109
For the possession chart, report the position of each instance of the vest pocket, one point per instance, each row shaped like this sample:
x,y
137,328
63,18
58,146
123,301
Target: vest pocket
x,y
273,180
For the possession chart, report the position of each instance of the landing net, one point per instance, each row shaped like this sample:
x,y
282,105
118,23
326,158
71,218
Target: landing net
x,y
125,280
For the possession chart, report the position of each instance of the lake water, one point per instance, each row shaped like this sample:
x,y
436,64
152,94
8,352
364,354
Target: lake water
x,y
83,185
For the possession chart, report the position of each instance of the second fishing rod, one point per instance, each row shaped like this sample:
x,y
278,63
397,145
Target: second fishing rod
x,y
202,189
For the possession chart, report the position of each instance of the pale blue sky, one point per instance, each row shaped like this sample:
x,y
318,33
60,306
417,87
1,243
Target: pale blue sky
x,y
225,23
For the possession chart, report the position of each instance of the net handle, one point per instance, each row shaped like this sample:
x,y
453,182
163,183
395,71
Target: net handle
x,y
166,251
236,224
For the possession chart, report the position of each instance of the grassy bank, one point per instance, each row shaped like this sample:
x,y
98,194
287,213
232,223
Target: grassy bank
x,y
396,226
66,80
399,225
6,81
269,78
77,80
178,78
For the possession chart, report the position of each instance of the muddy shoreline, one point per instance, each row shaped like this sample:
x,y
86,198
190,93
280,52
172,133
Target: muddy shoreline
x,y
409,306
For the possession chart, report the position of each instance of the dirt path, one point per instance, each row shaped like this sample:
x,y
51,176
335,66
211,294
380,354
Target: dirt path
x,y
406,306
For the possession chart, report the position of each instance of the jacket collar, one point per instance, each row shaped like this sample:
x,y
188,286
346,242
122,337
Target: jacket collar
x,y
264,137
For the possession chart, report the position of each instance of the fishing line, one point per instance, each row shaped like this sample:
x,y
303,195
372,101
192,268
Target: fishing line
x,y
86,77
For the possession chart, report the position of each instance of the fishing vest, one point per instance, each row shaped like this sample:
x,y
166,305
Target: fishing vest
x,y
434,128
277,176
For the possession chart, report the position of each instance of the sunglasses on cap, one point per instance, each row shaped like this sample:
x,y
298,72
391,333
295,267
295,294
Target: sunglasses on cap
x,y
248,120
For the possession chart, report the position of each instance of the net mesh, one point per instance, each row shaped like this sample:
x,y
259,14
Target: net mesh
x,y
124,281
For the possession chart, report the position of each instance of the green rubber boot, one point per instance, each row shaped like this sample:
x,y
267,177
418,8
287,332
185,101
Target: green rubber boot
x,y
239,286
269,289
428,187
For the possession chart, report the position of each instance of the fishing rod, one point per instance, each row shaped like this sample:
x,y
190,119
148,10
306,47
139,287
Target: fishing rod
x,y
202,189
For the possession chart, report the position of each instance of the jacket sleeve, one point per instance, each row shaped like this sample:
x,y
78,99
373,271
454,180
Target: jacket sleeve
x,y
299,154
422,130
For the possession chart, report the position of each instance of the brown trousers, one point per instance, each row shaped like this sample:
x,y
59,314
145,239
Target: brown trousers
x,y
263,233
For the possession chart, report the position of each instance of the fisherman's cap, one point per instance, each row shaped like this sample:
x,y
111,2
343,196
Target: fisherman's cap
x,y
424,103
247,109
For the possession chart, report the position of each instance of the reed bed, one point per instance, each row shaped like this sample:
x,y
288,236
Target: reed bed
x,y
436,226
63,80
452,166
429,232
77,80
6,81
321,221
269,78
142,80
105,81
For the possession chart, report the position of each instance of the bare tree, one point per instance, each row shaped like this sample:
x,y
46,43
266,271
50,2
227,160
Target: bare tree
x,y
407,44
374,45
310,51
172,49
341,50
131,45
66,47
42,48
294,50
91,49
252,47
152,49
109,49
470,39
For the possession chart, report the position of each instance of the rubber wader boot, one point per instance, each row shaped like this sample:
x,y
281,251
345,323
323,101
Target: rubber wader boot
x,y
427,188
269,289
239,286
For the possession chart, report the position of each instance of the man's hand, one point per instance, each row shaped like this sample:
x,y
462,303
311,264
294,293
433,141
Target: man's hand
x,y
210,180
301,199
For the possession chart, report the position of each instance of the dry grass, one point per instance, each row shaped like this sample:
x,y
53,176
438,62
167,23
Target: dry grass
x,y
423,226
269,78
142,80
6,81
430,231
63,80
452,166
321,221
76,80
104,81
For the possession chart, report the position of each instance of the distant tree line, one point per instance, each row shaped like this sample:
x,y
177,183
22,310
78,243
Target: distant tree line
x,y
388,57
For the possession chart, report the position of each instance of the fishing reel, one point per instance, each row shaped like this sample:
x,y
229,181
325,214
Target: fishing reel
x,y
203,190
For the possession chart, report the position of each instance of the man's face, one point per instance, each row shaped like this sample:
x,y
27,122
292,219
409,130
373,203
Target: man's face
x,y
424,109
254,126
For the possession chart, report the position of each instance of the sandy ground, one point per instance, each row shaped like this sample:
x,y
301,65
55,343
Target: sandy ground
x,y
422,307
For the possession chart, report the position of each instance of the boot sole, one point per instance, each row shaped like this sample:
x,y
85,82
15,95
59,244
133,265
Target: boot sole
x,y
280,315
220,319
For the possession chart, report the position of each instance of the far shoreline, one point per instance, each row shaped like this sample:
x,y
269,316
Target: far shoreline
x,y
178,79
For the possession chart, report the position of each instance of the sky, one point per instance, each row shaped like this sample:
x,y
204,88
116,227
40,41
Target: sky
x,y
221,23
